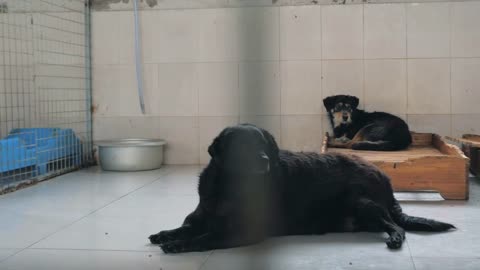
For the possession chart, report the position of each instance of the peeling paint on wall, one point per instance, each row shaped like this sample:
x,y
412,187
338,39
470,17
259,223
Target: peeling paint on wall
x,y
105,4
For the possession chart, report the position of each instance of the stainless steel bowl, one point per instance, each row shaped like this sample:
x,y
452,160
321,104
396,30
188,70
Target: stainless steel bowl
x,y
130,154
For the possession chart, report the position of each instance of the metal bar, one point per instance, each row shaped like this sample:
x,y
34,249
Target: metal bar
x,y
45,89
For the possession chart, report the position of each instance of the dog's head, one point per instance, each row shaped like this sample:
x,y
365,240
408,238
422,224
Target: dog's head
x,y
340,108
244,149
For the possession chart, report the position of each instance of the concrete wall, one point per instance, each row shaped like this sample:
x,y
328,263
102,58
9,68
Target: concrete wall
x,y
205,68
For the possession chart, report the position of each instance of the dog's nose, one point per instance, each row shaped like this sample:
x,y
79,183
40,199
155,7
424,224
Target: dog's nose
x,y
345,117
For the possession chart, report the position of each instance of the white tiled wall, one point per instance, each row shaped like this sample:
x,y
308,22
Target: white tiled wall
x,y
205,69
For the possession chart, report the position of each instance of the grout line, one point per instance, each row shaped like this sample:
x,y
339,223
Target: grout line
x,y
363,103
197,124
411,255
450,53
280,85
83,217
239,93
206,259
406,62
312,59
97,250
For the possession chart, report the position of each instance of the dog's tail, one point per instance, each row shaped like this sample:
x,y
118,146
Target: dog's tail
x,y
376,146
410,223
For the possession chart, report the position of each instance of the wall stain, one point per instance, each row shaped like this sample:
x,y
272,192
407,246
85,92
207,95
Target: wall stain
x,y
94,108
3,7
105,4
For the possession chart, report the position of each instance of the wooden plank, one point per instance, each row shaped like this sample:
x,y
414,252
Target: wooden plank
x,y
421,139
448,149
447,175
472,137
392,156
471,147
468,139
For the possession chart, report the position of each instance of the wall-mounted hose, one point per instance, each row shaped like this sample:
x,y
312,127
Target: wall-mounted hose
x,y
138,57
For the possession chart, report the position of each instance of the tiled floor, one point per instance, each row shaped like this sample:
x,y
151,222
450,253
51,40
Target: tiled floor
x,y
98,220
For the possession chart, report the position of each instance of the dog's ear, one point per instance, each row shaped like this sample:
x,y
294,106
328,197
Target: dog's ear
x,y
330,102
353,100
273,149
213,149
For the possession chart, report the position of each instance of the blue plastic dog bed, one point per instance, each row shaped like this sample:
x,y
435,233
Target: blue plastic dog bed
x,y
38,147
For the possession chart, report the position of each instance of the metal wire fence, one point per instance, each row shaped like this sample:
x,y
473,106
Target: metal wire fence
x,y
45,89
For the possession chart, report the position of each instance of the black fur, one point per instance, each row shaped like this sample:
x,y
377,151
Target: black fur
x,y
291,194
378,131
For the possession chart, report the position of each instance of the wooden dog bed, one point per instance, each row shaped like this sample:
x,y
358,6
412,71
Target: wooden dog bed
x,y
471,147
429,164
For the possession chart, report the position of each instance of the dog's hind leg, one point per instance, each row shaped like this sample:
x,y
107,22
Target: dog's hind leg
x,y
373,217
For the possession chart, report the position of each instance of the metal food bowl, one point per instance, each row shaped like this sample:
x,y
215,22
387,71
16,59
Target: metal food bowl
x,y
130,154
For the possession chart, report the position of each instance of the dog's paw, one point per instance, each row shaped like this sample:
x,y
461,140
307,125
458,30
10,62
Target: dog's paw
x,y
174,247
395,242
342,139
160,238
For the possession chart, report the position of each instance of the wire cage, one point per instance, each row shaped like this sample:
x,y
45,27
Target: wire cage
x,y
45,89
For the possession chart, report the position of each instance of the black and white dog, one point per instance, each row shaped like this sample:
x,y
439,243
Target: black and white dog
x,y
360,130
251,190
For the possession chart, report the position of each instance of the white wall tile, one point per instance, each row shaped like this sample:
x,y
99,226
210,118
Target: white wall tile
x,y
466,85
342,32
326,125
465,33
431,123
218,35
218,89
177,92
170,35
300,33
428,30
182,136
343,77
258,34
112,38
115,89
122,127
301,87
220,63
428,86
385,31
302,132
386,85
260,88
270,123
465,124
210,127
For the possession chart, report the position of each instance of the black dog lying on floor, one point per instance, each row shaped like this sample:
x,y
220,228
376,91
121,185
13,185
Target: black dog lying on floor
x,y
252,190
360,130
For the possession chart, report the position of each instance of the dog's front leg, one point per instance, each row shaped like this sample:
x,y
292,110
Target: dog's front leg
x,y
207,241
181,233
192,226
